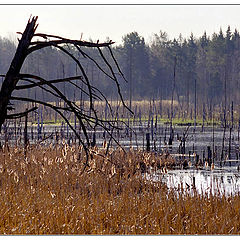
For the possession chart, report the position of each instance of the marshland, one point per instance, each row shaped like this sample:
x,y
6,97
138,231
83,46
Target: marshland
x,y
78,158
125,189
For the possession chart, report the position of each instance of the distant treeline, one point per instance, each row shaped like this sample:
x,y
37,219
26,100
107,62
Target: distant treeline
x,y
207,69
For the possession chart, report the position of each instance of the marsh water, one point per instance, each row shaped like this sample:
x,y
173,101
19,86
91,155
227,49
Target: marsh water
x,y
224,178
219,181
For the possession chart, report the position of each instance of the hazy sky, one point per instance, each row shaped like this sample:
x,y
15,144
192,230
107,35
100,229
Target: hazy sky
x,y
101,21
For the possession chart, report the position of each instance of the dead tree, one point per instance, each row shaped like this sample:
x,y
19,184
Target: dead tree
x,y
27,46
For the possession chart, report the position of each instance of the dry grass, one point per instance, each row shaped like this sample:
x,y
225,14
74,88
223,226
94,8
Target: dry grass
x,y
47,193
144,105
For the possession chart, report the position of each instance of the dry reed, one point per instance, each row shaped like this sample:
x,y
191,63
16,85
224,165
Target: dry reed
x,y
47,193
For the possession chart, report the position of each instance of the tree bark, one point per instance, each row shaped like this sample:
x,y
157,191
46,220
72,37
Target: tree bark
x,y
11,78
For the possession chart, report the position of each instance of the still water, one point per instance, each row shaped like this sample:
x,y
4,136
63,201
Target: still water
x,y
222,181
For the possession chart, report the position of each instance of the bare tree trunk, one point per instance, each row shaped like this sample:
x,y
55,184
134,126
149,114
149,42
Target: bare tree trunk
x,y
173,90
11,78
130,80
25,47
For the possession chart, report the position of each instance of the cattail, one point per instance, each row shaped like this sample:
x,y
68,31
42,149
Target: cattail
x,y
104,144
16,178
212,166
53,195
206,164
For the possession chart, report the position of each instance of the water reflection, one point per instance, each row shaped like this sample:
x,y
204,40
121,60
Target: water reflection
x,y
224,181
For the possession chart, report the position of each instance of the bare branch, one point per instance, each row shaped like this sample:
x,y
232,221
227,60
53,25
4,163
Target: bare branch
x,y
95,96
95,62
40,44
50,106
115,79
25,47
39,85
21,76
83,72
22,114
86,78
69,103
110,50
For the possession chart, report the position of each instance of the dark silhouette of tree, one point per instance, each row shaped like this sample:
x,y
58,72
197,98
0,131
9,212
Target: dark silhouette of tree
x,y
15,80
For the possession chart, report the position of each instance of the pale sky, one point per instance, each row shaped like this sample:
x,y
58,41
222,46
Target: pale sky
x,y
102,21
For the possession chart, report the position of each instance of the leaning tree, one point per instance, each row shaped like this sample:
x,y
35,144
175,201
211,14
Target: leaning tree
x,y
15,80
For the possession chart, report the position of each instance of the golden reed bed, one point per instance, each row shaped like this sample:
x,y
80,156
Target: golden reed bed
x,y
47,192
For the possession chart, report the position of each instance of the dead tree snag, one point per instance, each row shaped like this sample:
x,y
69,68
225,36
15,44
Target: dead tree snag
x,y
26,47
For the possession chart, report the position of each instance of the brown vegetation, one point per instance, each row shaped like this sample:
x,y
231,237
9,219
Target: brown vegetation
x,y
47,192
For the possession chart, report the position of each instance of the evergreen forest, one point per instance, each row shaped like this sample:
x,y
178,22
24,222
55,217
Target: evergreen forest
x,y
201,71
